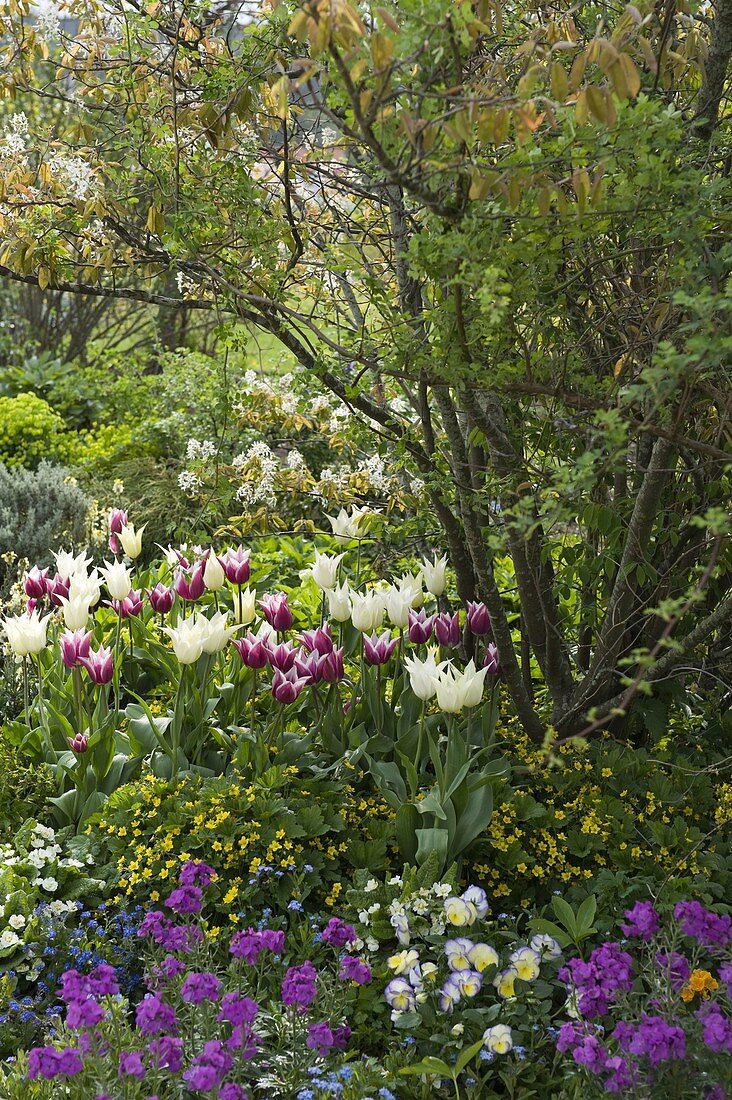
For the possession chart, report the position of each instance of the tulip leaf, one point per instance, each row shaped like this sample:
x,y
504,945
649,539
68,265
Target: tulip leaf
x,y
432,840
428,1065
466,1055
472,818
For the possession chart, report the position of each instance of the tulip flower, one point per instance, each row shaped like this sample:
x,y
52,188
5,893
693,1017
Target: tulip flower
x,y
281,656
472,684
447,629
398,605
367,610
78,744
217,634
117,520
86,587
331,666
245,606
252,650
36,583
339,603
318,641
410,584
213,572
58,589
434,573
69,564
479,620
75,612
117,578
324,570
346,527
190,588
276,611
308,665
423,675
420,626
492,662
130,605
131,540
286,686
100,665
161,598
26,633
448,689
175,556
377,650
236,565
187,638
74,645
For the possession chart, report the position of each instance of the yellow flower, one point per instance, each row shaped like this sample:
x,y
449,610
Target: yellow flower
x,y
700,981
504,982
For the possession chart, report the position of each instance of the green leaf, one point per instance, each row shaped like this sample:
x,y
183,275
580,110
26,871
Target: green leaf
x,y
466,1055
565,915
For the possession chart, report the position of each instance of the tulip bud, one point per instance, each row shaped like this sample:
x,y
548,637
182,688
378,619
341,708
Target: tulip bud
x,y
479,620
339,603
367,611
187,639
447,629
36,583
492,663
423,676
117,578
420,626
252,650
131,540
216,633
161,598
377,650
398,605
117,520
75,612
213,572
331,666
58,589
190,588
434,573
245,605
236,565
318,641
276,611
130,605
78,744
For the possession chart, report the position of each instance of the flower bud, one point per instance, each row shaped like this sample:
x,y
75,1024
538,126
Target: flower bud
x,y
161,598
36,583
479,620
78,744
420,626
213,572
276,611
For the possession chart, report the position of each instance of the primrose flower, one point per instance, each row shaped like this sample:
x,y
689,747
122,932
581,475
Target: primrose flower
x,y
482,955
526,963
459,912
117,578
399,995
403,961
504,982
339,603
276,611
498,1039
131,539
236,565
27,633
324,570
435,575
378,650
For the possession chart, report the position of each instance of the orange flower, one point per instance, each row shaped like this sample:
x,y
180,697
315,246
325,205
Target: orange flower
x,y
700,981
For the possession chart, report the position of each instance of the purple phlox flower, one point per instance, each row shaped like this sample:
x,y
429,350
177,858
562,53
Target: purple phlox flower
x,y
186,899
717,1028
196,871
641,921
200,986
447,629
298,985
49,1063
232,1091
420,626
166,1053
341,1035
708,928
276,611
208,1070
652,1038
155,1017
621,1075
338,933
320,1038
131,1064
165,933
248,944
237,1009
353,969
243,1040
597,981
377,649
570,1034
103,981
676,966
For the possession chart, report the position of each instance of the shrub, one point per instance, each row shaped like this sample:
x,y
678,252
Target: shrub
x,y
40,510
31,431
25,788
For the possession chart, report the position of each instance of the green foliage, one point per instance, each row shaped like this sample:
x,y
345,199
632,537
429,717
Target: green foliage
x,y
25,788
31,431
40,510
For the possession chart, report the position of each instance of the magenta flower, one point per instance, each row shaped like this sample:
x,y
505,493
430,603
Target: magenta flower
x,y
320,1038
131,1064
186,899
318,641
286,686
708,928
236,565
276,611
130,605
49,1063
208,1070
36,583
189,584
99,665
308,665
282,655
492,661
447,629
74,645
252,650
479,620
378,649
331,666
57,589
78,744
195,871
355,970
419,626
238,1010
299,985
642,921
161,598
155,1017
117,520
199,987
338,933
166,1053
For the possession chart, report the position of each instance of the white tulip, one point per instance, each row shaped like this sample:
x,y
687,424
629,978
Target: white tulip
x,y
216,633
398,604
131,540
117,578
86,588
248,598
339,603
410,585
26,633
367,611
188,638
68,565
449,690
435,575
472,684
423,675
213,572
75,611
346,527
324,570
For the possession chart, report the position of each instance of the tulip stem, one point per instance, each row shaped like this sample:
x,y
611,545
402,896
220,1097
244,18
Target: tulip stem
x,y
253,703
25,691
238,590
420,738
118,669
78,703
